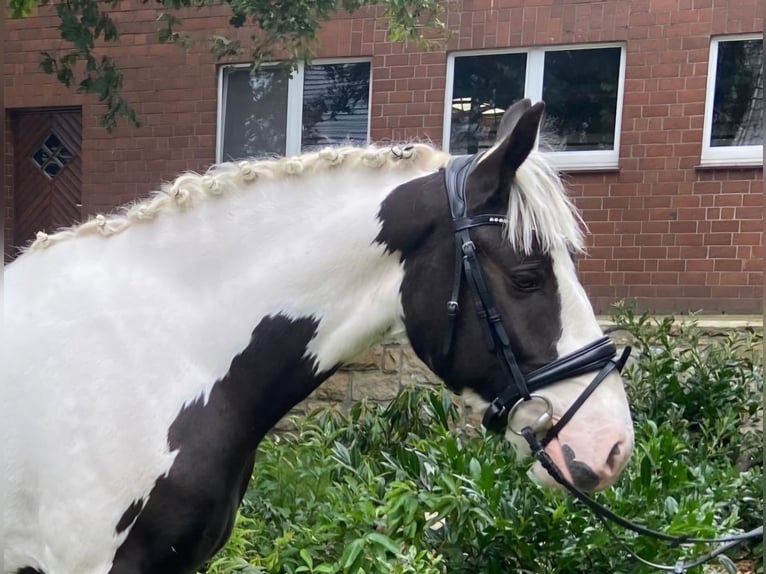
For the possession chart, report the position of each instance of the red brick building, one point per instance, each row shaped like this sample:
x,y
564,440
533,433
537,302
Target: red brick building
x,y
655,114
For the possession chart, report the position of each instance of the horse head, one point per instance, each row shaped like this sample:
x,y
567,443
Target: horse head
x,y
492,303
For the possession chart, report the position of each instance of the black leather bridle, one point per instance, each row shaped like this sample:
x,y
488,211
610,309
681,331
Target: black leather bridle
x,y
599,356
596,356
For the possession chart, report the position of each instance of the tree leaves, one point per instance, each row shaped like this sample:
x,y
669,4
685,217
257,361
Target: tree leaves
x,y
282,28
21,8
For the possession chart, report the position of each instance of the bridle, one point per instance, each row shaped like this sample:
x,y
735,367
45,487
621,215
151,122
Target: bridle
x,y
596,356
599,356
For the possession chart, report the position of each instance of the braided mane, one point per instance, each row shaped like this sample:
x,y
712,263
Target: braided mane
x,y
539,208
191,188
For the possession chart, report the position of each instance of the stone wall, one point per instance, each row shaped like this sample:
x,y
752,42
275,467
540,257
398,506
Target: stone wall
x,y
376,375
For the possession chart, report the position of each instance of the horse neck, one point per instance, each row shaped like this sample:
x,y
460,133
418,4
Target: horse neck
x,y
300,247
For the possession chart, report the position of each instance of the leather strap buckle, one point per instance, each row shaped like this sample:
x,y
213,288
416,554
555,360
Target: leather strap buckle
x,y
541,424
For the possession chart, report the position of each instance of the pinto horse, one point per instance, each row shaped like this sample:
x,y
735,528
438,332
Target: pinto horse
x,y
147,353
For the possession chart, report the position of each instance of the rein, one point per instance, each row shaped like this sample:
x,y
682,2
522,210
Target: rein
x,y
604,514
597,356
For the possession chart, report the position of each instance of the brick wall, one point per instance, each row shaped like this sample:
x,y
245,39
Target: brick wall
x,y
669,234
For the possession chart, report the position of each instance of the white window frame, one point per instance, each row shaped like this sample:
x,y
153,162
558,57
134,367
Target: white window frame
x,y
724,156
294,116
591,160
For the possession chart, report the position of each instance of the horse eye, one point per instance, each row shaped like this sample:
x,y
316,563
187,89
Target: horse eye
x,y
526,281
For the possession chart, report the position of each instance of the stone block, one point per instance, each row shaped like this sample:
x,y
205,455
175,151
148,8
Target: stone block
x,y
336,388
413,370
391,359
367,361
374,385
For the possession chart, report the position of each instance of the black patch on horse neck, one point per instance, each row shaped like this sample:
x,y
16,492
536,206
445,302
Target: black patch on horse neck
x,y
190,511
411,212
129,515
415,220
29,570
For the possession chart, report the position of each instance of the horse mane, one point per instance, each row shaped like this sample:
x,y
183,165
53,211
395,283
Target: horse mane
x,y
538,210
191,188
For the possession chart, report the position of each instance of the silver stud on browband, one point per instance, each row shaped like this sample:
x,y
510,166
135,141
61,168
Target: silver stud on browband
x,y
542,423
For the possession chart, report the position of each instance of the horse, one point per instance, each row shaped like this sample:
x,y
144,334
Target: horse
x,y
149,351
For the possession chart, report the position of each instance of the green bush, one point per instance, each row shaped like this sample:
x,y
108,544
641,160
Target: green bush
x,y
404,489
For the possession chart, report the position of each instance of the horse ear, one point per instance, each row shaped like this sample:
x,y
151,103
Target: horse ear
x,y
511,117
490,181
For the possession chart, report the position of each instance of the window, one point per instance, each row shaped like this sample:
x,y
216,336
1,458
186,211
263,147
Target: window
x,y
270,113
582,88
51,156
733,132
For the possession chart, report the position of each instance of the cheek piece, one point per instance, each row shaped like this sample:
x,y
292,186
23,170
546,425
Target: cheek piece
x,y
598,356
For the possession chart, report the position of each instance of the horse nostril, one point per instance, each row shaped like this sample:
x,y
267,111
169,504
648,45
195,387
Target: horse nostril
x,y
613,461
583,476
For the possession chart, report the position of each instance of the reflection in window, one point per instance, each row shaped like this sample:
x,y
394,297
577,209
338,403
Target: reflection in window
x,y
335,105
580,93
738,100
484,87
255,113
262,113
581,87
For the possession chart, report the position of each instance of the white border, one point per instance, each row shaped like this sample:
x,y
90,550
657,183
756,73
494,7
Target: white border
x,y
294,118
564,160
724,156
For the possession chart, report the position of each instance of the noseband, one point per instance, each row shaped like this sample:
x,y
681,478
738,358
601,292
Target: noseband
x,y
596,356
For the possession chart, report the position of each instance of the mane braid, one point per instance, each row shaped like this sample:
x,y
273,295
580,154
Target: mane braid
x,y
540,211
539,208
191,188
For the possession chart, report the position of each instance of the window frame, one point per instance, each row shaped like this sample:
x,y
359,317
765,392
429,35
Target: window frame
x,y
294,115
724,156
590,160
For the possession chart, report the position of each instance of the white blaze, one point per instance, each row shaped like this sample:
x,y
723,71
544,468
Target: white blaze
x,y
604,419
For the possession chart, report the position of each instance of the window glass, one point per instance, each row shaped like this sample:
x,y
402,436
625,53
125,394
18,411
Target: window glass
x,y
738,99
263,114
255,113
580,95
484,87
335,105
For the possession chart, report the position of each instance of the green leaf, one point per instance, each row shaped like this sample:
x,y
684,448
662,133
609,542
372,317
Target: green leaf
x,y
671,506
307,558
351,553
385,541
21,8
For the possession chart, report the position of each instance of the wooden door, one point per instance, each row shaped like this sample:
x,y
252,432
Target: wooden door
x,y
47,172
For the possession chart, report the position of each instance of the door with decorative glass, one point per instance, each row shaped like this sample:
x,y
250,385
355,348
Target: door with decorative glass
x,y
47,171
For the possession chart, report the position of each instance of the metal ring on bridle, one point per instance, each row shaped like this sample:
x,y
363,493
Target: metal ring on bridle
x,y
542,423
